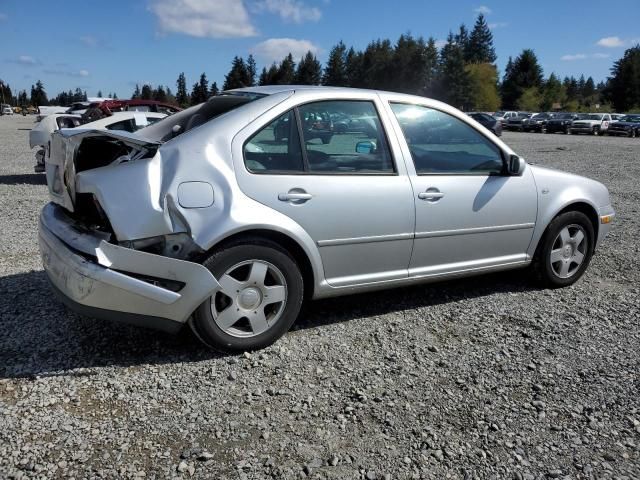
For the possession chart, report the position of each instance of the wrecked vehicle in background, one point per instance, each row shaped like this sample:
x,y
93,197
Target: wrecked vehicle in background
x,y
209,218
40,135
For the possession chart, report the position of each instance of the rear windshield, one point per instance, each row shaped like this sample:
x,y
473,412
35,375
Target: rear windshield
x,y
183,121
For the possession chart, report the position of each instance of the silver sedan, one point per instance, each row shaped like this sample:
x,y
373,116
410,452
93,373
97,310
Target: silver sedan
x,y
229,214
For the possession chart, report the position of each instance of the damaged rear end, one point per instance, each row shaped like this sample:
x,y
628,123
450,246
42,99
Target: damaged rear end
x,y
113,242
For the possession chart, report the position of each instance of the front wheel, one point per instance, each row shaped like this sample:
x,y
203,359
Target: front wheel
x,y
565,250
260,297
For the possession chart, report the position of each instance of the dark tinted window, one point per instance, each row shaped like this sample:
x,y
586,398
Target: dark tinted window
x,y
440,143
275,148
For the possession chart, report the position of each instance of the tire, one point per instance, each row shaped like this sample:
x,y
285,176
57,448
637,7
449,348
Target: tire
x,y
233,266
567,131
595,131
633,133
573,256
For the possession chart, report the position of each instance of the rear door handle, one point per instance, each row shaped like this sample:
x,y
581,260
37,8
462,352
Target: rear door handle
x,y
295,197
432,194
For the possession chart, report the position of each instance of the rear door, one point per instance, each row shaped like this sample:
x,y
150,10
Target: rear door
x,y
347,190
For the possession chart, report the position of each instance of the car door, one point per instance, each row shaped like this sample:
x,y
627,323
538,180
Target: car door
x,y
469,214
345,189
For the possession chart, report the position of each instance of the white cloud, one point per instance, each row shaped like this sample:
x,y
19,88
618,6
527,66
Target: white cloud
x,y
583,56
290,10
67,73
495,25
203,18
483,9
440,43
26,60
570,58
610,42
275,49
89,40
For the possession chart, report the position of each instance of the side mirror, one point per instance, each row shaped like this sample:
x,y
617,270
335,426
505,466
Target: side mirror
x,y
516,165
365,147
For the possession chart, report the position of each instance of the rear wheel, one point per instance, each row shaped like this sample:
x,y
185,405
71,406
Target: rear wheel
x,y
260,297
565,250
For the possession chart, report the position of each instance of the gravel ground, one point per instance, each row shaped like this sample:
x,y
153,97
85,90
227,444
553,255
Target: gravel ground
x,y
481,378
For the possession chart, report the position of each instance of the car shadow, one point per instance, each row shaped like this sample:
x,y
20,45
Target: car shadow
x,y
24,179
40,337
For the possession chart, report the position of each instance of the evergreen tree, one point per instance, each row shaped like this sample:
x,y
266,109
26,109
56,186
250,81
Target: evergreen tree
x,y
431,60
377,67
251,71
335,73
182,96
309,70
286,71
214,89
411,65
136,92
462,39
159,94
453,80
146,93
269,77
480,47
203,88
570,85
353,68
239,76
38,95
520,75
99,93
553,93
624,83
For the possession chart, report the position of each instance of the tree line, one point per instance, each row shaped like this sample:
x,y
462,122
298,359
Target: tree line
x,y
462,72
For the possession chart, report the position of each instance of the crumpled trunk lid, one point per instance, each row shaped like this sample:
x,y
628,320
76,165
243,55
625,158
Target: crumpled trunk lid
x,y
76,150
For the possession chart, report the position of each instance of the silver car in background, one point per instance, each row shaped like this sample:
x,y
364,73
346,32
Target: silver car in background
x,y
229,214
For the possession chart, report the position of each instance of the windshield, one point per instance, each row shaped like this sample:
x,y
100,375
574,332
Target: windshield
x,y
564,116
541,115
176,124
593,116
631,118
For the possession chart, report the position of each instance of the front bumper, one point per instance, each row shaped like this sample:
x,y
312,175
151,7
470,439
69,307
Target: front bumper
x,y
106,281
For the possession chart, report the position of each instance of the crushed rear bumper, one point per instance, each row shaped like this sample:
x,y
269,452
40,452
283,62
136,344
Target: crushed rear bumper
x,y
102,280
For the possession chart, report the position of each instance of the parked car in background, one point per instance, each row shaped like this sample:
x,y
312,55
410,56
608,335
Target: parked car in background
x,y
615,117
537,122
316,124
592,124
488,122
40,135
6,110
515,123
205,219
561,122
628,125
45,110
502,117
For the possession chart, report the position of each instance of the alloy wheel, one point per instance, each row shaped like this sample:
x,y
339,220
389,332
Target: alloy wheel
x,y
568,251
252,298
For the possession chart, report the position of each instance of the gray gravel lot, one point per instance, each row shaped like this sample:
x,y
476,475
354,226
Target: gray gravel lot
x,y
482,378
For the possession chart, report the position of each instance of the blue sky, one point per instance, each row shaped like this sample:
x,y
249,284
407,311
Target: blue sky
x,y
111,45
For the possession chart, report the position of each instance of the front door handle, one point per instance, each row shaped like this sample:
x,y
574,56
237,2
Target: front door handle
x,y
432,195
294,196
